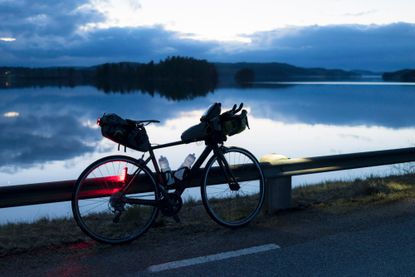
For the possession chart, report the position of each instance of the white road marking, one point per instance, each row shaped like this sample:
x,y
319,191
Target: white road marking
x,y
211,258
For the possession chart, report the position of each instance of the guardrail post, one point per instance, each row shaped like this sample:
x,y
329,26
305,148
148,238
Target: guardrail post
x,y
277,194
277,189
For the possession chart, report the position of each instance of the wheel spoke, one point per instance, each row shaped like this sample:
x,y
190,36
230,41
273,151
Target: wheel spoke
x,y
108,219
233,208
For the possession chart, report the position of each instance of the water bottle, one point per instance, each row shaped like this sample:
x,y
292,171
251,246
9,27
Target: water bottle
x,y
190,159
164,164
165,168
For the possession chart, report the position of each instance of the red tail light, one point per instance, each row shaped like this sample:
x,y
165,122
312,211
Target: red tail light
x,y
123,175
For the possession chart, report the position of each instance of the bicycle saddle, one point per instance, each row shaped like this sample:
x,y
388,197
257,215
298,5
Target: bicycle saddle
x,y
140,122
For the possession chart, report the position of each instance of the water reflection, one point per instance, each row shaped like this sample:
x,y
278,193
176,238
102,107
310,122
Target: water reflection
x,y
30,139
45,126
50,134
343,104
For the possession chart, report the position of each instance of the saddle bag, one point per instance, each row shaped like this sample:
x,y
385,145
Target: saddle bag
x,y
123,132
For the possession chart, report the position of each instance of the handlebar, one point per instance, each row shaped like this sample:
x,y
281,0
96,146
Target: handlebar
x,y
214,112
235,109
216,126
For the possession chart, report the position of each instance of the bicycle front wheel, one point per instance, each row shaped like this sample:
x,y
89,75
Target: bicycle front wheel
x,y
98,199
233,187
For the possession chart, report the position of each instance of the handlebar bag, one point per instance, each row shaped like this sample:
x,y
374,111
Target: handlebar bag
x,y
120,131
235,124
212,112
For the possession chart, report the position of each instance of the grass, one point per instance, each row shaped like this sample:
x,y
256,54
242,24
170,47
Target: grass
x,y
334,196
356,193
21,237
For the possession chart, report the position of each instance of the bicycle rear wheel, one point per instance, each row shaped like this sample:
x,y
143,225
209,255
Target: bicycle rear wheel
x,y
233,187
97,204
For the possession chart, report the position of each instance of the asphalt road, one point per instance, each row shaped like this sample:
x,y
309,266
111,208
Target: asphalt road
x,y
376,240
387,250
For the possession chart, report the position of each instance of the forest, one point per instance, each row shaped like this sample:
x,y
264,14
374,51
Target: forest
x,y
174,77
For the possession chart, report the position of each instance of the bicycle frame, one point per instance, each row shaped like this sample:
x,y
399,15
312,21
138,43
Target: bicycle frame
x,y
231,182
179,187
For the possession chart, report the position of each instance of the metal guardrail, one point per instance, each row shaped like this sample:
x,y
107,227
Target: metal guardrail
x,y
279,172
300,166
278,175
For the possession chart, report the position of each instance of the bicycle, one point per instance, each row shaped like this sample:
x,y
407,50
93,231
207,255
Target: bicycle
x,y
117,198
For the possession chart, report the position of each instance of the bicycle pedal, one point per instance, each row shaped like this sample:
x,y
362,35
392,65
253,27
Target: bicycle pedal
x,y
176,218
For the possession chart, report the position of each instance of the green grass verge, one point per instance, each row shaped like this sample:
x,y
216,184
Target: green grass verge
x,y
357,192
21,237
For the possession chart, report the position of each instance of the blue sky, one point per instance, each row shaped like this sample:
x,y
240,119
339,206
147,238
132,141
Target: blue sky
x,y
349,34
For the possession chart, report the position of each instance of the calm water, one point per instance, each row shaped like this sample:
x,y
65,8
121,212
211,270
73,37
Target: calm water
x,y
50,133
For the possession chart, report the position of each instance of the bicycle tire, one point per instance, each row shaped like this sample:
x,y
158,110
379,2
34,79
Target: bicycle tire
x,y
95,207
233,207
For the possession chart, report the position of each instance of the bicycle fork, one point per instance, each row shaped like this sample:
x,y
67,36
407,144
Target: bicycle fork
x,y
224,166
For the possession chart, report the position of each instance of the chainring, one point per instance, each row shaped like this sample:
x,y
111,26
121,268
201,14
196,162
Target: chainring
x,y
172,204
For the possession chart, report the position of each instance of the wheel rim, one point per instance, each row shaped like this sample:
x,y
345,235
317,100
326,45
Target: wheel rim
x,y
98,208
228,204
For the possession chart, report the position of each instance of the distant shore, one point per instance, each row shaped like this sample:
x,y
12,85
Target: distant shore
x,y
141,75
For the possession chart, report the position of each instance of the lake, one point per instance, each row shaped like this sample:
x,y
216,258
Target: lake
x,y
50,133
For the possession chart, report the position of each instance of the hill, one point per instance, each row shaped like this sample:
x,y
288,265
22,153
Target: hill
x,y
405,75
264,72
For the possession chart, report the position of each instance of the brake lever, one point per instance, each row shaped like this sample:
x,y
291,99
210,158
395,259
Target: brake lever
x,y
239,108
235,109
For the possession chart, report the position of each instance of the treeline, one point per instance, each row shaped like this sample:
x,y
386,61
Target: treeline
x,y
175,77
405,75
45,76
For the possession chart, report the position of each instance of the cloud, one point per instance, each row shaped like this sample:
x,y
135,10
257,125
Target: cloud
x,y
375,47
25,18
7,39
139,43
31,140
60,33
66,33
361,13
41,30
69,33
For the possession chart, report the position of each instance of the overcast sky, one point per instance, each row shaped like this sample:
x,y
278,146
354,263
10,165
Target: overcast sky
x,y
349,34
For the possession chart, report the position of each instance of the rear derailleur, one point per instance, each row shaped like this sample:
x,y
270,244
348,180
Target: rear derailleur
x,y
116,205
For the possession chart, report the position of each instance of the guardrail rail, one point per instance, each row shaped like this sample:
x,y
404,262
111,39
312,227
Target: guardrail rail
x,y
277,171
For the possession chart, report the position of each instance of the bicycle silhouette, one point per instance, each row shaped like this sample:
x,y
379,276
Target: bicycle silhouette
x,y
117,198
